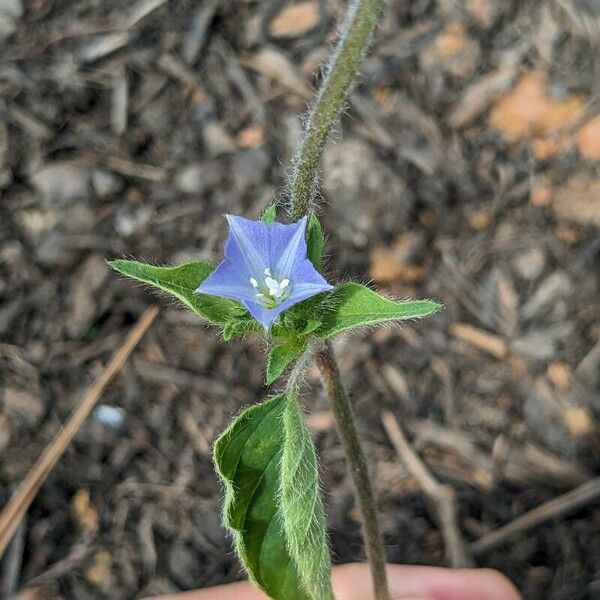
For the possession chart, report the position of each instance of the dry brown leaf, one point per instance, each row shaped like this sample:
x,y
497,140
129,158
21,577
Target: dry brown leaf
x,y
528,112
295,20
578,200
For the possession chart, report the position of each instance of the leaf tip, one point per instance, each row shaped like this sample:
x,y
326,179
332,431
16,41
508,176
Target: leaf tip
x,y
434,307
116,264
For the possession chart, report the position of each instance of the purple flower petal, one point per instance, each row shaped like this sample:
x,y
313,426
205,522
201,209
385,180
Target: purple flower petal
x,y
265,268
288,245
307,278
265,316
248,243
229,280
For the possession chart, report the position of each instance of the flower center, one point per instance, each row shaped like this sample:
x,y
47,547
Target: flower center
x,y
270,292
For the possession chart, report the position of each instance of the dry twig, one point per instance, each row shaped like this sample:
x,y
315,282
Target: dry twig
x,y
17,506
557,507
440,496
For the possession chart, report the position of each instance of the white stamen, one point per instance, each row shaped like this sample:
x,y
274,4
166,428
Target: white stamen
x,y
270,292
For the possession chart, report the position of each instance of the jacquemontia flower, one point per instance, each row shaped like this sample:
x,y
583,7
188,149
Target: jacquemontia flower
x,y
266,268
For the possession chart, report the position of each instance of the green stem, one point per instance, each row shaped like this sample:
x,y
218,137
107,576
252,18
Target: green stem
x,y
355,37
342,411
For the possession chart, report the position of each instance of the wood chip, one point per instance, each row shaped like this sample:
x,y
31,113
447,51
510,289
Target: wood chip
x,y
295,20
529,112
480,219
578,200
452,51
275,65
21,406
99,572
578,421
120,102
250,137
484,12
395,263
540,195
480,339
103,45
84,512
5,431
588,139
560,375
320,421
141,9
478,97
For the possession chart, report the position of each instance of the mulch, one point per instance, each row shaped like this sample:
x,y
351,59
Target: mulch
x,y
128,129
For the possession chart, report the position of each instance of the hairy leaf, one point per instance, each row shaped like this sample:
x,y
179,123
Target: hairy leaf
x,y
280,357
270,214
315,241
352,305
181,282
301,506
239,327
248,459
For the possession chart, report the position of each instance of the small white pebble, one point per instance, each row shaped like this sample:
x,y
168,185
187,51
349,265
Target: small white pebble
x,y
110,416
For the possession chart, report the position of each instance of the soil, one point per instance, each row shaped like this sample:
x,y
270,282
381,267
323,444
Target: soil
x,y
465,169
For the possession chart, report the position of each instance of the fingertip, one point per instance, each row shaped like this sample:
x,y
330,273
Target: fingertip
x,y
450,584
501,585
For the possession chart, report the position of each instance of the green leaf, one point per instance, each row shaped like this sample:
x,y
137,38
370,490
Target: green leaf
x,y
248,459
352,305
301,506
239,327
181,282
270,214
315,241
280,357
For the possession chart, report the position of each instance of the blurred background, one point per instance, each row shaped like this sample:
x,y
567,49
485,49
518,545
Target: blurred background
x,y
465,169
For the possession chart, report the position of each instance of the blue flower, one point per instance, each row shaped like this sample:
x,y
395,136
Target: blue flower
x,y
266,268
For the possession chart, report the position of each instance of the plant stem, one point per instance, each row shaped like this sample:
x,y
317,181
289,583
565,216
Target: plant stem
x,y
342,411
356,33
355,37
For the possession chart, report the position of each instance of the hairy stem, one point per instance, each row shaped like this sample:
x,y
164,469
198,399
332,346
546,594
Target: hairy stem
x,y
355,37
342,410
